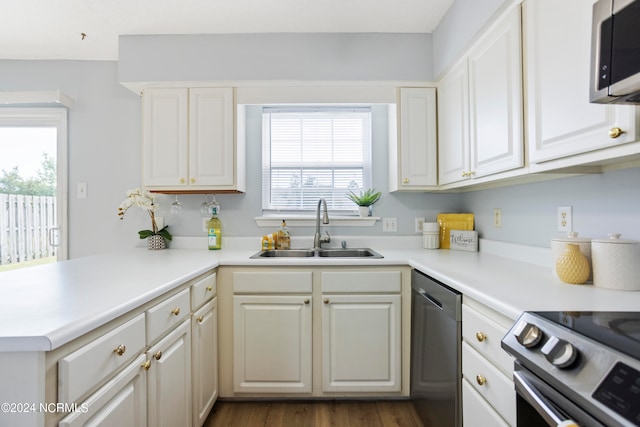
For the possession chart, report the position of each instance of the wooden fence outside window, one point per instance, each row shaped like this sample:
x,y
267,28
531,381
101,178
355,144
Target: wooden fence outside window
x,y
25,224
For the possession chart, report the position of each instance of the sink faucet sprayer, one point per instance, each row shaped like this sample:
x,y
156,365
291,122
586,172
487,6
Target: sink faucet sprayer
x,y
318,239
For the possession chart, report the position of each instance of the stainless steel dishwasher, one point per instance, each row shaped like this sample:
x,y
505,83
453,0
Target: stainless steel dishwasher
x,y
436,337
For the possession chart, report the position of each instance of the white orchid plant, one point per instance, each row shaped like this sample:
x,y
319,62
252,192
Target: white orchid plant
x,y
144,200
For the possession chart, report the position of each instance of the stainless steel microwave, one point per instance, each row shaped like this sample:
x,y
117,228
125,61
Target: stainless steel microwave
x,y
615,52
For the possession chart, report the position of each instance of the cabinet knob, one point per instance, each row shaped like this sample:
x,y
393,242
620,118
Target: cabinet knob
x,y
146,365
405,181
615,132
158,355
181,180
307,301
193,180
481,380
326,301
199,319
119,350
175,311
209,288
467,174
480,336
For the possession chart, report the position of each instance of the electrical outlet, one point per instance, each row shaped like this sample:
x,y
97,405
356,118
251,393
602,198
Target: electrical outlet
x,y
389,225
565,218
497,218
419,225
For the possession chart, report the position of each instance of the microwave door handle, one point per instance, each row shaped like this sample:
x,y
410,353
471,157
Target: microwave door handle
x,y
540,403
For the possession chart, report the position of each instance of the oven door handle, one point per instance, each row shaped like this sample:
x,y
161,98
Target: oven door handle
x,y
541,404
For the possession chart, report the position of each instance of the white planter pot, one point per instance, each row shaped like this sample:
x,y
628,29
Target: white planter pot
x,y
364,211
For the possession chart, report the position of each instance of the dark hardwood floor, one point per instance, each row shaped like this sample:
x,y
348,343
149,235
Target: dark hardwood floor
x,y
339,413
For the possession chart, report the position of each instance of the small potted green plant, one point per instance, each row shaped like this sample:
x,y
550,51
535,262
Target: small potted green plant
x,y
364,200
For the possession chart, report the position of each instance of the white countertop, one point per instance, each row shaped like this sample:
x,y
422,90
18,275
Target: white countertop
x,y
44,307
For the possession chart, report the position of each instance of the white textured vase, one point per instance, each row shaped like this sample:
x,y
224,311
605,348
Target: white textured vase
x,y
156,242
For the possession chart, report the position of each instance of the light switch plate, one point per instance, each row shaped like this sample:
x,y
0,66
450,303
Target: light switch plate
x,y
389,225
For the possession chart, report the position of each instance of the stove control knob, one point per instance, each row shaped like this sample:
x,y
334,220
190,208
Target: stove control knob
x,y
528,335
559,353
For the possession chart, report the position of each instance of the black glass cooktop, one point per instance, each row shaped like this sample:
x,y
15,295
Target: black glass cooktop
x,y
618,330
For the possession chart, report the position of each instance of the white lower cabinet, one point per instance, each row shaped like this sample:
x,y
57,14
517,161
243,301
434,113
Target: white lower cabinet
x,y
121,402
489,396
361,331
361,343
272,343
169,379
204,360
318,332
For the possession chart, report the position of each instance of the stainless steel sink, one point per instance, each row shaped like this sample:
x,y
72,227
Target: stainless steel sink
x,y
349,253
285,253
324,253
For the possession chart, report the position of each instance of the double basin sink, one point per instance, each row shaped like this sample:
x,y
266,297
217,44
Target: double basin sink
x,y
322,253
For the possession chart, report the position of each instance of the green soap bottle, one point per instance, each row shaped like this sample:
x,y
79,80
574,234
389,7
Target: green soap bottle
x,y
214,229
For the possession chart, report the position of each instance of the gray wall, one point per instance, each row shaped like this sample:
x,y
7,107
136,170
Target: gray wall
x,y
457,29
292,56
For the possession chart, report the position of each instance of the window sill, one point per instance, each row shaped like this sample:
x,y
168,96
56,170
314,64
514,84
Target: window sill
x,y
310,221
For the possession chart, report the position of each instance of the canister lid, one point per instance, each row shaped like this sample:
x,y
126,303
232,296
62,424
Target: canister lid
x,y
572,237
430,227
614,238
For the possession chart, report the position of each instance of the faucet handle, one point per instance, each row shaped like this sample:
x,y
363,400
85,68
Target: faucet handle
x,y
326,239
343,244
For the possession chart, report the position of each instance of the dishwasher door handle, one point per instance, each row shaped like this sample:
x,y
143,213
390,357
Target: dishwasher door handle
x,y
431,299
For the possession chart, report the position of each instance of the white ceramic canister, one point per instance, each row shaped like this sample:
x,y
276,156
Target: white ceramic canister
x,y
559,245
616,263
431,235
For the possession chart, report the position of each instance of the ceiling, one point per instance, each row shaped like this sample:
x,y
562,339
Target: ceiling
x,y
53,29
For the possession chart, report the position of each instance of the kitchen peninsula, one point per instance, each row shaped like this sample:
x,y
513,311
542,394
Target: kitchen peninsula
x,y
50,308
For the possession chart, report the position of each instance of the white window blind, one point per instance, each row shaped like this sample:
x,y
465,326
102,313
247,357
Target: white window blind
x,y
312,153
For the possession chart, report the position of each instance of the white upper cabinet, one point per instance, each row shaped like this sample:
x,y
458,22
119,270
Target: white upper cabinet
x,y
480,119
413,151
561,121
189,142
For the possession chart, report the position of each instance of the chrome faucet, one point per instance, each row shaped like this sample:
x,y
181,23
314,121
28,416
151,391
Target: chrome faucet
x,y
318,239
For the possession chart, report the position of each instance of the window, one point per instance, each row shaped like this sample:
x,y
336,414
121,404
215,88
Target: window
x,y
314,152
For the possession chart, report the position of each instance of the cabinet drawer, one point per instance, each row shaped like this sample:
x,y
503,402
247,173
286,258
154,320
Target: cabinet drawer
x,y
361,281
476,412
167,314
89,365
485,335
497,389
281,282
202,291
121,401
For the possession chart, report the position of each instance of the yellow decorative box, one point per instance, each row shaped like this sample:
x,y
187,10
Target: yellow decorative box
x,y
451,221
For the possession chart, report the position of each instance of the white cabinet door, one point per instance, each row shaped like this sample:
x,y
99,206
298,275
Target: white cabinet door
x,y
121,402
165,136
453,125
416,153
204,366
361,343
211,137
169,379
562,122
480,104
495,96
272,338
